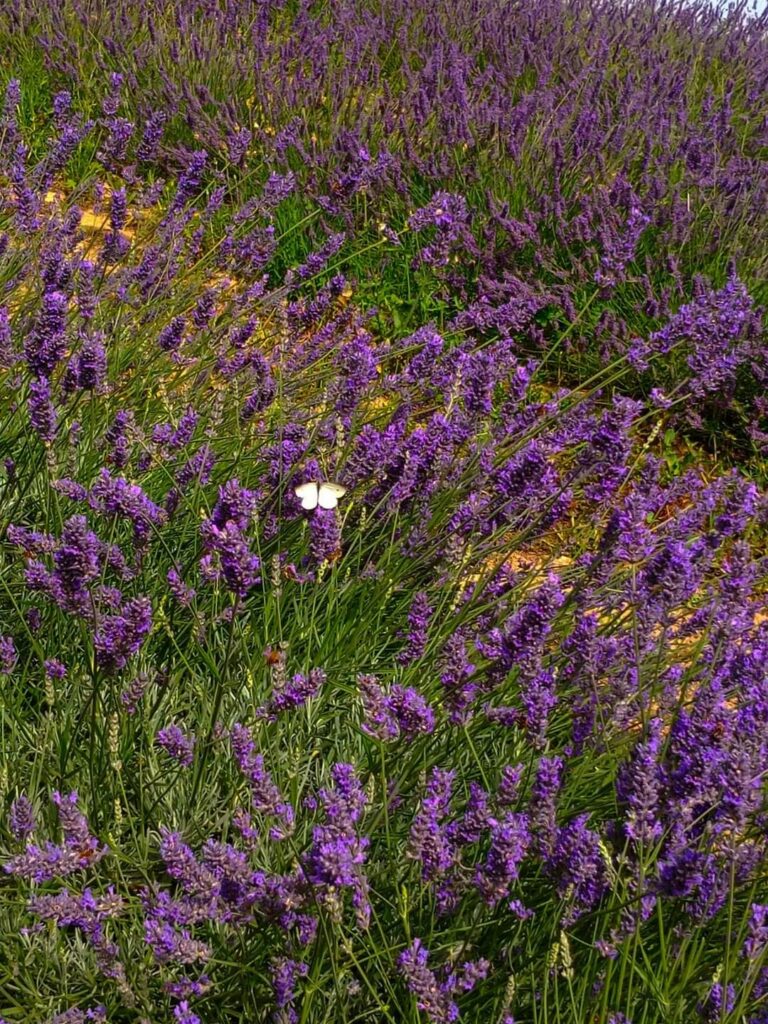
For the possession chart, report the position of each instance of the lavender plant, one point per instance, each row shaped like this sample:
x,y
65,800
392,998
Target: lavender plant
x,y
578,176
486,740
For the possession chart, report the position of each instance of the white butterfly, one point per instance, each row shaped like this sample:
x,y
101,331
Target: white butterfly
x,y
326,495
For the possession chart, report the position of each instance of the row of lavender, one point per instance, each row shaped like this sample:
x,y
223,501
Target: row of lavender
x,y
587,163
487,738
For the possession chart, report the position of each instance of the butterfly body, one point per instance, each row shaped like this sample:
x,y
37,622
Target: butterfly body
x,y
319,494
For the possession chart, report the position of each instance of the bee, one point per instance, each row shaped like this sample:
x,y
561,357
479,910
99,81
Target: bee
x,y
338,188
344,296
273,656
87,853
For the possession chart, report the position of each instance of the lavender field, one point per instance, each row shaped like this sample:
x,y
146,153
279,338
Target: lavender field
x,y
383,512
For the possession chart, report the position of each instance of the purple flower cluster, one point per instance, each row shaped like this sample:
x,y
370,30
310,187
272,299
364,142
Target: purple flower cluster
x,y
228,557
21,817
289,694
448,215
177,744
46,343
88,914
78,851
118,637
115,496
265,796
336,857
285,975
434,995
402,712
521,557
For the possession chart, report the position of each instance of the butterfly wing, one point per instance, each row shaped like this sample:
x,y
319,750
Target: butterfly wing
x,y
328,495
309,494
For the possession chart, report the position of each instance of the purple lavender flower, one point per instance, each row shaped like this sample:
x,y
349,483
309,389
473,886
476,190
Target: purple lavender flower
x,y
188,987
21,817
510,839
132,695
277,187
33,619
88,913
88,369
456,678
75,1016
198,468
509,785
378,720
8,655
115,496
324,536
62,102
150,140
448,214
111,101
54,668
619,247
119,637
294,693
78,558
538,697
265,796
757,934
401,712
8,356
285,974
640,787
182,435
79,850
169,944
190,181
204,310
46,343
115,243
316,261
63,146
433,996
11,99
716,330
357,368
418,623
182,865
337,855
578,865
118,437
184,595
546,788
432,839
183,1014
520,642
170,337
177,744
259,399
229,558
430,996
719,1002
42,412
236,506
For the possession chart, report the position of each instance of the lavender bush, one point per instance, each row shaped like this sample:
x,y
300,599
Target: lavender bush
x,y
487,739
582,177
